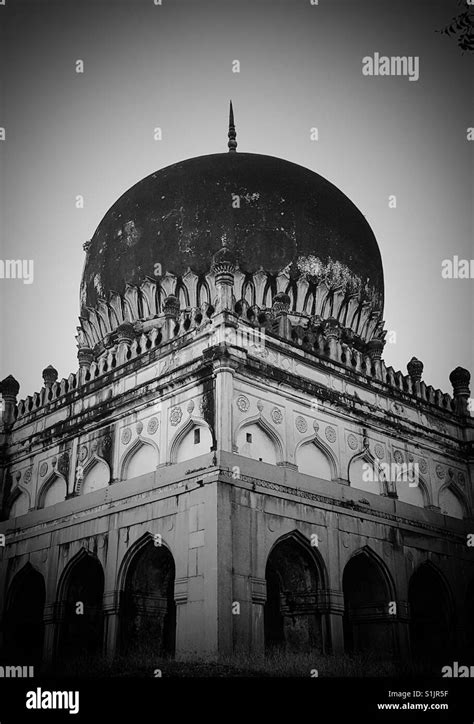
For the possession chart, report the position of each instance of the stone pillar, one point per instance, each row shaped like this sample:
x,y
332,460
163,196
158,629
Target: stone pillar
x,y
374,350
331,606
460,379
224,391
223,267
85,357
111,609
332,333
111,599
171,312
280,309
258,588
125,336
9,389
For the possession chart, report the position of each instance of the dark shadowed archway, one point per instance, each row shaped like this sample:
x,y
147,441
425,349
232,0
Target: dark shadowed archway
x,y
23,621
81,626
469,644
431,616
148,609
367,595
292,620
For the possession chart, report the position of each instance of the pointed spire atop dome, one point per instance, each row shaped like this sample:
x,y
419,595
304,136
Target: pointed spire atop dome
x,y
232,135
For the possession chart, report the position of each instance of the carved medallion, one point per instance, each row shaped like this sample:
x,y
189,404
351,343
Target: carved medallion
x,y
83,452
277,416
243,403
398,457
28,474
139,427
301,424
423,466
260,406
152,426
175,416
379,451
316,426
461,479
440,472
352,441
190,406
126,436
330,434
43,469
94,445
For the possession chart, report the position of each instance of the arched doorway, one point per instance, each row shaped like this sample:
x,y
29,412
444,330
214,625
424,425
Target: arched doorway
x,y
367,619
148,609
292,620
470,620
431,616
81,593
23,621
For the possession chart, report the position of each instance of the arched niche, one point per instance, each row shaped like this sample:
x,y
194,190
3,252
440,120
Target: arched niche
x,y
364,474
148,609
450,503
192,440
20,503
142,458
313,459
412,494
96,475
53,491
81,628
368,589
294,574
257,440
431,615
23,619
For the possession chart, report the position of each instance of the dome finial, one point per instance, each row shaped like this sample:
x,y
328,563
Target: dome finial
x,y
232,144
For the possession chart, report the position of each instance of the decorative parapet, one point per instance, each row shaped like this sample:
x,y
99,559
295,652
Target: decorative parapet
x,y
103,347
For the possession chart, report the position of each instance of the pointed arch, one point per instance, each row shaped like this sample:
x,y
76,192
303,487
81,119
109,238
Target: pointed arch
x,y
53,490
367,552
147,605
179,438
150,461
432,612
409,492
83,486
294,575
82,582
203,293
23,624
368,589
298,538
19,502
324,449
378,485
260,422
456,507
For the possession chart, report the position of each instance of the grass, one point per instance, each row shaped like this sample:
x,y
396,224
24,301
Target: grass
x,y
144,664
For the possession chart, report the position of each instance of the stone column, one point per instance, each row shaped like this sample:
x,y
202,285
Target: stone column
x,y
223,267
280,309
171,312
85,357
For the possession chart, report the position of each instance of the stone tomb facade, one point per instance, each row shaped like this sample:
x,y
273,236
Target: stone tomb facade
x,y
200,486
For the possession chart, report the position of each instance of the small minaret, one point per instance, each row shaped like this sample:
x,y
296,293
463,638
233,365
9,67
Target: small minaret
x,y
232,135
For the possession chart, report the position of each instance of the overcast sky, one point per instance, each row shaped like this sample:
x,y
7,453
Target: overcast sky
x,y
170,66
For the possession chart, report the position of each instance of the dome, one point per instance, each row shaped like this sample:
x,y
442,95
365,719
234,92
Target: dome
x,y
271,214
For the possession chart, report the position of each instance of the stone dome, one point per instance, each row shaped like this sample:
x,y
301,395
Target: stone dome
x,y
272,214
